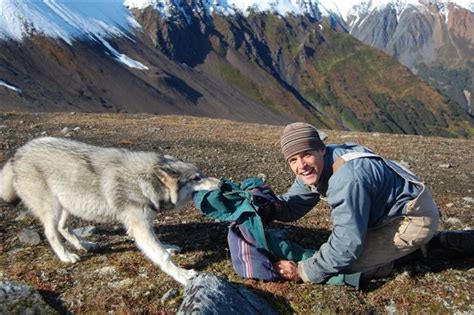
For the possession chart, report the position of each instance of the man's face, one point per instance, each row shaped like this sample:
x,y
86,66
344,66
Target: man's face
x,y
308,165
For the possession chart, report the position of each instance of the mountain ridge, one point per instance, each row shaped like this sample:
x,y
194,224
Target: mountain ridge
x,y
436,43
259,67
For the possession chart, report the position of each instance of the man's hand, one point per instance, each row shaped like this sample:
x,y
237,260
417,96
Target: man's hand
x,y
287,269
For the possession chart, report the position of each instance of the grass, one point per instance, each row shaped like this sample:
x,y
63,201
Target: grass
x,y
118,278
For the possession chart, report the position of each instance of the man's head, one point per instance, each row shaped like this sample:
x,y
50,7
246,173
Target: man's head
x,y
304,150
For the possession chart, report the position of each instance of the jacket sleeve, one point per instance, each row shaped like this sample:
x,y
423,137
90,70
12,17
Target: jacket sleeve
x,y
295,203
349,197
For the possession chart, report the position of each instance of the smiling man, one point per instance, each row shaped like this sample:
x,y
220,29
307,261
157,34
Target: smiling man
x,y
380,210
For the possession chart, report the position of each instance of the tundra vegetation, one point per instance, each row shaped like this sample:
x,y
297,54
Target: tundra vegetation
x,y
119,278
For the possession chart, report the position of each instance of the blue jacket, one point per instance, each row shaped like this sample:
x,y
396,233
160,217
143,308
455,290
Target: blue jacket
x,y
362,194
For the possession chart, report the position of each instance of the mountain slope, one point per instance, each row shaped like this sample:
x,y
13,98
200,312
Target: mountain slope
x,y
338,80
53,76
194,58
435,40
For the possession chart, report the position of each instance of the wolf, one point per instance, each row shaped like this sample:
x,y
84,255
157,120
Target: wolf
x,y
57,177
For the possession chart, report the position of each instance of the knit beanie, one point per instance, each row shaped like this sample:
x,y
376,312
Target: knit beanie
x,y
299,137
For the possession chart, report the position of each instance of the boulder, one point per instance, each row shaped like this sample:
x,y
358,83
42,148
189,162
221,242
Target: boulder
x,y
210,294
17,298
29,237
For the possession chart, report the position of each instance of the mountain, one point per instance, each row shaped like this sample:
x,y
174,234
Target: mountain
x,y
267,61
433,38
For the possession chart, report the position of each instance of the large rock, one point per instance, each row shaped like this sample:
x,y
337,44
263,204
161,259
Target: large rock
x,y
209,294
29,237
17,298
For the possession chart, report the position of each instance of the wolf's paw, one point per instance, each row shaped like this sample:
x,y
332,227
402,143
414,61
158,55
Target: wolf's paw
x,y
70,258
171,249
88,246
186,275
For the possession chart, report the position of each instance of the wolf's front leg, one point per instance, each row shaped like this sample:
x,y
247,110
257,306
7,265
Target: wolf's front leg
x,y
146,240
171,249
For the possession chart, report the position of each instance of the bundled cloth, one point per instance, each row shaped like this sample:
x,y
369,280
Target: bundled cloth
x,y
248,207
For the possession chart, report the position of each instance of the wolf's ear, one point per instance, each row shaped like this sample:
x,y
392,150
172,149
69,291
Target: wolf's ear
x,y
165,173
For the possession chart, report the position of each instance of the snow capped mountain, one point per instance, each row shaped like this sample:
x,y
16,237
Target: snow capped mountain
x,y
69,19
65,19
314,8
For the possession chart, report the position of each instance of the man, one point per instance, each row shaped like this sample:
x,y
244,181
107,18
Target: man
x,y
380,210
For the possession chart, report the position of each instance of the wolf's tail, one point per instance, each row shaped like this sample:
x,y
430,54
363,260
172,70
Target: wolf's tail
x,y
7,191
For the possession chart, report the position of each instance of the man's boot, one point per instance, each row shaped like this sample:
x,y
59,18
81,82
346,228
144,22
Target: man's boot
x,y
456,243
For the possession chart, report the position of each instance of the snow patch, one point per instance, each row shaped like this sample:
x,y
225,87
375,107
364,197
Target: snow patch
x,y
64,19
122,57
11,87
469,107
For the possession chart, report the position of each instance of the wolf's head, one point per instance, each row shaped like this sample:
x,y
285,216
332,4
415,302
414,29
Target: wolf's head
x,y
190,179
176,182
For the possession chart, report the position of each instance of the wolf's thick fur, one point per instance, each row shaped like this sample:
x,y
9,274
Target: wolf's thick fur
x,y
57,177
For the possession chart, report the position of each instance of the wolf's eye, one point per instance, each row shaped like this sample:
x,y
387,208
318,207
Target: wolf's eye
x,y
196,178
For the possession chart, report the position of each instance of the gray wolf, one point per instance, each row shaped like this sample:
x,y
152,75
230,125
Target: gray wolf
x,y
56,178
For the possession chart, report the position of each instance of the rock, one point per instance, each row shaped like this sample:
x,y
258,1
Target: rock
x,y
22,216
209,294
447,165
29,237
65,130
109,270
171,294
86,231
121,284
462,176
17,298
453,222
391,308
76,128
468,199
322,135
450,205
405,164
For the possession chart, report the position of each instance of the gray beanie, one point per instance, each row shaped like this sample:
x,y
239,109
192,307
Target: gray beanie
x,y
299,137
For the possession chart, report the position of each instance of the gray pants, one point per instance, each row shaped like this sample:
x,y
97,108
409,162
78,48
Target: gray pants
x,y
399,237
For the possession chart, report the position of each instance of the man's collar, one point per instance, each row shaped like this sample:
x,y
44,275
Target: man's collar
x,y
322,186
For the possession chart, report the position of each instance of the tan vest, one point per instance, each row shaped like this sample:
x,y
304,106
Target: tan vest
x,y
396,167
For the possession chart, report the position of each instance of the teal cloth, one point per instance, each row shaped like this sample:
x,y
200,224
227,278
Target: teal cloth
x,y
234,203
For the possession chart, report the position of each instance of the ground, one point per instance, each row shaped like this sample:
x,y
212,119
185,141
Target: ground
x,y
120,279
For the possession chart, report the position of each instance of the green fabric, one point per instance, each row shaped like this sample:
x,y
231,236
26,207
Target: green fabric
x,y
288,250
284,249
233,203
